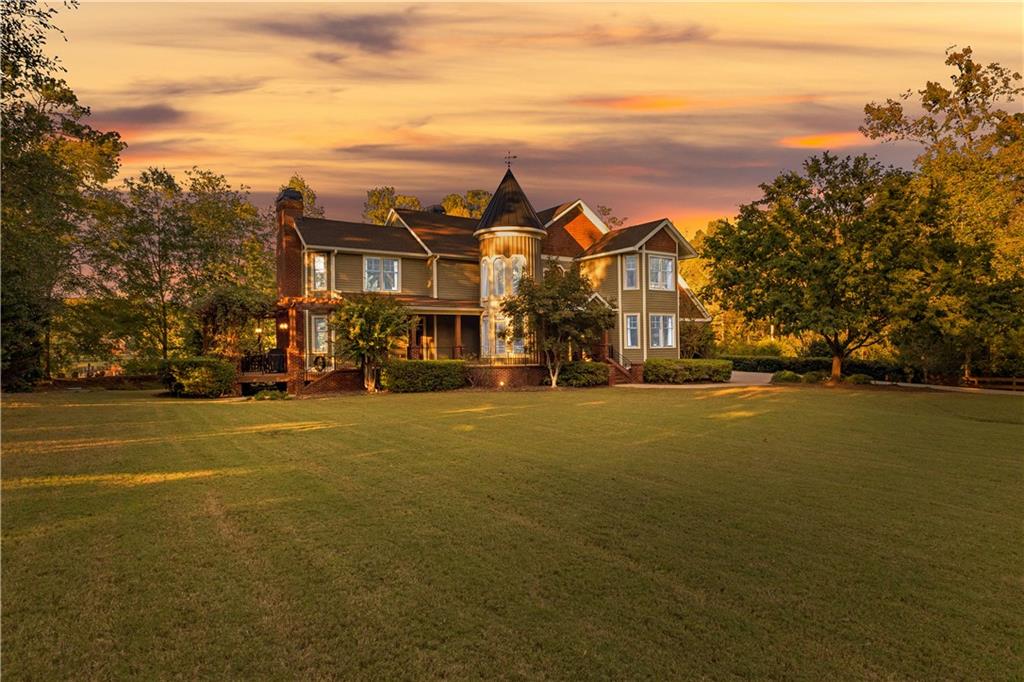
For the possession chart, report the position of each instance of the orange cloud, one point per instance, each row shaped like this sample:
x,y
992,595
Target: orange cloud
x,y
672,103
837,140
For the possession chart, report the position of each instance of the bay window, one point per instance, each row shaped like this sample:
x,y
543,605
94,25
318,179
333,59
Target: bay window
x,y
662,272
499,337
380,273
663,331
518,262
498,289
485,277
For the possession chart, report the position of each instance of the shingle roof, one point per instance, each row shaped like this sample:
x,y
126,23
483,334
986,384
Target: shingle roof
x,y
509,207
623,238
548,213
345,235
690,307
445,234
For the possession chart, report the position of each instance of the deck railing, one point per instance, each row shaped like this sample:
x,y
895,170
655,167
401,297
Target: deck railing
x,y
272,362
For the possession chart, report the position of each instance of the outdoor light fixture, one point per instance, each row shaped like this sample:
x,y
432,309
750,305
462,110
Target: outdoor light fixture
x,y
259,330
283,325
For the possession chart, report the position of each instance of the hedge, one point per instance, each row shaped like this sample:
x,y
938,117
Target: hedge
x,y
417,376
784,376
199,377
685,371
581,374
876,369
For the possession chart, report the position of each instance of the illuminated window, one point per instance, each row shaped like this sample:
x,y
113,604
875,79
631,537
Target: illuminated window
x,y
380,274
632,276
499,277
319,271
321,334
499,338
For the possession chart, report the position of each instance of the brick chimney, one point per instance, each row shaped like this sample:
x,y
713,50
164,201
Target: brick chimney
x,y
289,245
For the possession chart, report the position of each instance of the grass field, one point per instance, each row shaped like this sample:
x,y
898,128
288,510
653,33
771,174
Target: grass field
x,y
797,532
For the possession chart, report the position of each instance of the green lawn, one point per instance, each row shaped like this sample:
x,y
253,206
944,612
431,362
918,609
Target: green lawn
x,y
797,532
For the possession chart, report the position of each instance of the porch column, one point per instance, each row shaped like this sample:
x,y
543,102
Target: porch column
x,y
457,354
296,362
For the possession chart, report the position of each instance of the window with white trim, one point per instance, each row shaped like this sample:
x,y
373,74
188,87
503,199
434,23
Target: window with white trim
x,y
321,335
662,270
519,345
499,337
631,280
380,273
663,331
485,277
498,289
518,263
632,339
485,335
319,271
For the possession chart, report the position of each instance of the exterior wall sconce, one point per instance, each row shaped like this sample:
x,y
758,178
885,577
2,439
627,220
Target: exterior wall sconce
x,y
259,330
283,325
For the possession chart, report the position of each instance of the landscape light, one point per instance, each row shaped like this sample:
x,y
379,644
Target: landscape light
x,y
283,325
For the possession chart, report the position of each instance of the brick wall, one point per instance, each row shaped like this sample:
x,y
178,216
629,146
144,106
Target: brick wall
x,y
289,249
338,380
506,377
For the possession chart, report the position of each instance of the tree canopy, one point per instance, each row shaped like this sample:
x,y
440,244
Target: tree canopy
x,y
380,201
367,327
837,250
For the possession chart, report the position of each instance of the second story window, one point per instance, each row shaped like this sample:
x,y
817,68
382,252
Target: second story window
x,y
518,262
380,273
632,278
485,277
662,272
319,271
499,277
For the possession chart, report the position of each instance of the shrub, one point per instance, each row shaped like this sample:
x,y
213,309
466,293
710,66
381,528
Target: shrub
x,y
417,376
686,371
581,374
876,369
199,377
145,366
816,377
271,394
786,377
767,348
858,379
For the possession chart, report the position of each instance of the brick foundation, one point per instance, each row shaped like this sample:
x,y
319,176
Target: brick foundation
x,y
338,380
506,377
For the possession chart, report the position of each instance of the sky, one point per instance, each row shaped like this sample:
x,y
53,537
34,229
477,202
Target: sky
x,y
671,110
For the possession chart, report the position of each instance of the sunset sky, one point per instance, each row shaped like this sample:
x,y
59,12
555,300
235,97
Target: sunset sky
x,y
675,110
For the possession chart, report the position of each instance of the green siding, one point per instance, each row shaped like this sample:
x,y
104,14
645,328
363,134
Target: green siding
x,y
416,277
458,279
348,272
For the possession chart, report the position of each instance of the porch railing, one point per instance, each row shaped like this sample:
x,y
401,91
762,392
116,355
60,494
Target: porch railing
x,y
271,362
472,358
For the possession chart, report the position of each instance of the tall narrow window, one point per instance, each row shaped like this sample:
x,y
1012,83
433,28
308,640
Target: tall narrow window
x,y
321,335
485,335
662,272
499,277
380,274
632,331
519,345
499,337
663,331
632,278
518,263
485,277
319,271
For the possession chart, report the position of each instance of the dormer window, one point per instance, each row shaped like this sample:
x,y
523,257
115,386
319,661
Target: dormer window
x,y
380,273
319,271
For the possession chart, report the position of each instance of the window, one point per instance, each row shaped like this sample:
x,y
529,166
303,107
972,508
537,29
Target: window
x,y
499,277
632,276
632,331
662,272
517,272
499,338
380,274
485,277
319,271
321,334
663,331
519,345
485,335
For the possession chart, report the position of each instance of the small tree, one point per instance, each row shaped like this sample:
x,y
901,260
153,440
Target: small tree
x,y
367,328
558,312
838,251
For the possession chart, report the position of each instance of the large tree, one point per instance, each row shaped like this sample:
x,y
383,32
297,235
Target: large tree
x,y
367,328
380,201
51,160
556,314
972,156
837,250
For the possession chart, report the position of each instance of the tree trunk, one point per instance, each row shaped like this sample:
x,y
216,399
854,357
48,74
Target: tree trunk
x,y
369,377
837,369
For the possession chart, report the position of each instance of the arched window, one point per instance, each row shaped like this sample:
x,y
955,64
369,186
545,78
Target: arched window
x,y
485,277
485,335
518,264
499,277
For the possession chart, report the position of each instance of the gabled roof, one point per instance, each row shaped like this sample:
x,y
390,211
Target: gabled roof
x,y
442,234
509,207
690,307
624,238
548,214
341,234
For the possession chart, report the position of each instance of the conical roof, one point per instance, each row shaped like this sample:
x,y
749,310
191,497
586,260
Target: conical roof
x,y
509,207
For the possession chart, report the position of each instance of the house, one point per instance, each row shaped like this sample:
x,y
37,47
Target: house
x,y
453,273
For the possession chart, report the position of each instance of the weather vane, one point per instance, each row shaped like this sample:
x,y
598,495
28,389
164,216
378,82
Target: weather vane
x,y
508,159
